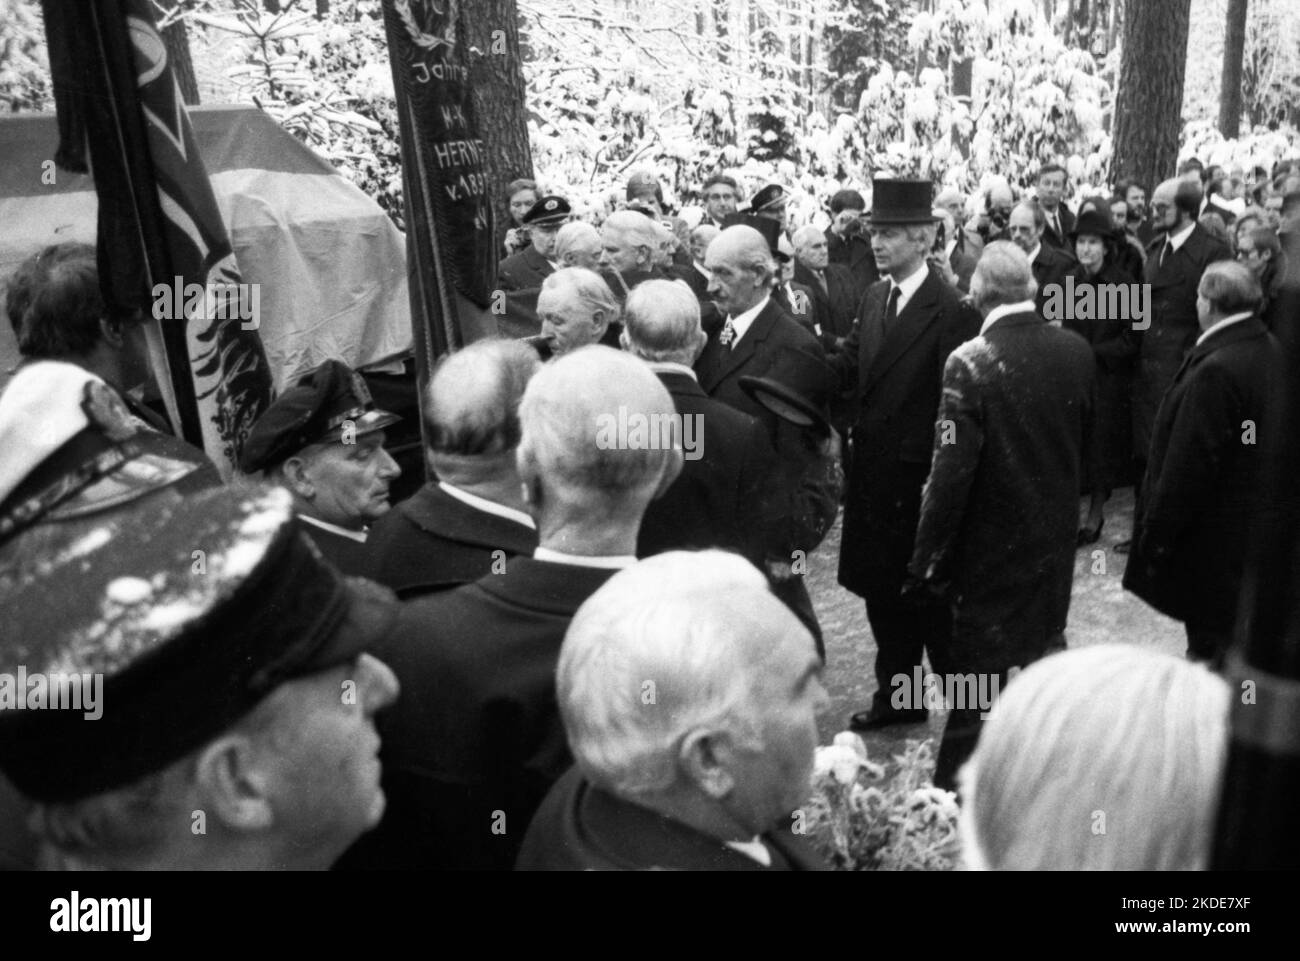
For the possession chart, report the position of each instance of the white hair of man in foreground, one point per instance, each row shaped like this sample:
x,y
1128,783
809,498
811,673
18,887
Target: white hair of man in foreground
x,y
1104,758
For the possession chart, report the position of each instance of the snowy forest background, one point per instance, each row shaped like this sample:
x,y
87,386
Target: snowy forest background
x,y
814,94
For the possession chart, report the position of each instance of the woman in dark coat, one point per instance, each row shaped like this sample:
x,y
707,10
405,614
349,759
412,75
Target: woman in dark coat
x,y
1114,348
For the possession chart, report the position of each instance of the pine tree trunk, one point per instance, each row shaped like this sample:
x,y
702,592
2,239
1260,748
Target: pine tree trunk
x,y
497,75
1234,50
1149,102
176,40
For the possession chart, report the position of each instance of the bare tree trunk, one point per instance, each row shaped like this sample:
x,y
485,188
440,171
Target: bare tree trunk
x,y
497,75
177,42
1234,50
1149,99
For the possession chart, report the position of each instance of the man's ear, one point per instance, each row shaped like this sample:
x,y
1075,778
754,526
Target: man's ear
x,y
110,331
701,341
673,464
232,787
296,477
705,760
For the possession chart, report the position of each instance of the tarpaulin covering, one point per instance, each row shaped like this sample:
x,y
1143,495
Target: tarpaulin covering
x,y
330,263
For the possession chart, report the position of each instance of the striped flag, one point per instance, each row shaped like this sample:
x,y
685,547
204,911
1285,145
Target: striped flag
x,y
159,222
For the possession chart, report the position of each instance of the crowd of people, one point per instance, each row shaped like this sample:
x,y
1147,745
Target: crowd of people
x,y
575,649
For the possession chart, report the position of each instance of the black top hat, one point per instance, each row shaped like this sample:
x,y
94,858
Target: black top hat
x,y
171,652
770,229
795,389
547,211
317,409
901,202
1093,222
769,198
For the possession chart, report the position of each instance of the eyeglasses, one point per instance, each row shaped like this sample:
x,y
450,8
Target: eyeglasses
x,y
1160,207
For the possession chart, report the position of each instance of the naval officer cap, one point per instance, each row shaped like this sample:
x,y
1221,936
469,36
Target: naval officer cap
x,y
550,211
72,449
317,409
191,614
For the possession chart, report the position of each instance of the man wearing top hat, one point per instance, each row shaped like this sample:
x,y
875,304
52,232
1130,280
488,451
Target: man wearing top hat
x,y
892,367
215,698
323,441
530,266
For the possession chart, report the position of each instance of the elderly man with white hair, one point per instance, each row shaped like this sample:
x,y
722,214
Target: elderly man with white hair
x,y
630,248
1000,511
476,743
578,245
757,338
717,501
689,696
835,293
576,308
1106,758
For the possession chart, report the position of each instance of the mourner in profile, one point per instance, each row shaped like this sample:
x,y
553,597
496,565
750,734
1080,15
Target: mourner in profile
x,y
323,441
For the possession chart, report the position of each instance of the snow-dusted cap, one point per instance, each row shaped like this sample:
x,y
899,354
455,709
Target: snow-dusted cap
x,y
69,446
189,614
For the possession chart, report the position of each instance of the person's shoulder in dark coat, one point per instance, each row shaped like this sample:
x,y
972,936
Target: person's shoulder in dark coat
x,y
475,739
523,270
434,542
715,500
580,827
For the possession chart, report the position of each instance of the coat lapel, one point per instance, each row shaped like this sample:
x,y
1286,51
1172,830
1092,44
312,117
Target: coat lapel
x,y
1242,330
911,323
742,350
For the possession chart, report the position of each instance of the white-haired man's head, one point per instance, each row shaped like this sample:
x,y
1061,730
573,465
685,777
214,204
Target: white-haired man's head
x,y
1002,276
701,237
578,245
588,472
576,307
471,413
661,322
1103,758
811,248
741,269
630,242
687,687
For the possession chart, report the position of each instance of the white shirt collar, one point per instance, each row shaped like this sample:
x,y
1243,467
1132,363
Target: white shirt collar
x,y
358,536
669,367
1180,238
1006,310
1226,321
949,247
755,849
487,506
700,267
743,322
910,285
1033,254
612,562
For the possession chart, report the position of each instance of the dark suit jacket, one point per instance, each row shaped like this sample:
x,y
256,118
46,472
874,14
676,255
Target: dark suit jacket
x,y
523,270
1050,267
963,265
718,500
1000,512
1174,325
837,300
894,382
1060,241
433,542
799,301
855,254
759,353
621,284
580,827
1206,488
475,739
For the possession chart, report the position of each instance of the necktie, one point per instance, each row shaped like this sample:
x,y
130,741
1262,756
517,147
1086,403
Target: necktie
x,y
821,279
1166,251
891,308
1056,225
728,333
